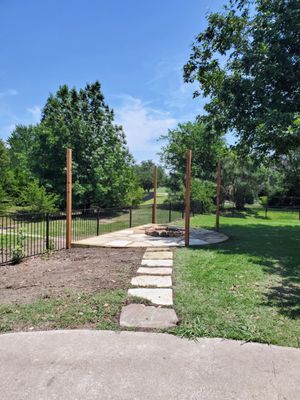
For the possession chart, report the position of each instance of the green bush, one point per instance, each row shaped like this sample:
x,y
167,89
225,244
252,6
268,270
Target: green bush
x,y
201,191
18,250
37,199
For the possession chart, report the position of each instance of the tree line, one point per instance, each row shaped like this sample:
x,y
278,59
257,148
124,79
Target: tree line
x,y
246,63
33,162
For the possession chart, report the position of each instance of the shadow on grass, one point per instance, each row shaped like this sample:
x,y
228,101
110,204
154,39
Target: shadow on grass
x,y
246,213
277,250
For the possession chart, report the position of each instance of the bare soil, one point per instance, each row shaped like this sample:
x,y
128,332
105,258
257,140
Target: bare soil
x,y
80,270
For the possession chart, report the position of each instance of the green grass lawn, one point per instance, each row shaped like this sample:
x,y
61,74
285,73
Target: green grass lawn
x,y
247,288
161,196
93,310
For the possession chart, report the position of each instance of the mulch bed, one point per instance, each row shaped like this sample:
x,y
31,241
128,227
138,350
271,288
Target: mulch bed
x,y
81,270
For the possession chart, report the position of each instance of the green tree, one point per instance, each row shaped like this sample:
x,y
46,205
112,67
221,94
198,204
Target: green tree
x,y
241,180
37,199
102,164
21,142
202,192
145,174
247,62
206,148
290,169
7,181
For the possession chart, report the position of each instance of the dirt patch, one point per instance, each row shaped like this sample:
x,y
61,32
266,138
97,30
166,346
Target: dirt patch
x,y
80,270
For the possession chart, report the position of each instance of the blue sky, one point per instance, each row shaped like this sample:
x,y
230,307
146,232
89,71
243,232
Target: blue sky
x,y
135,48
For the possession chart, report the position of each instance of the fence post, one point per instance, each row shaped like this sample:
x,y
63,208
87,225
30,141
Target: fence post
x,y
188,197
218,195
170,212
130,217
98,220
266,211
154,197
182,210
47,231
69,200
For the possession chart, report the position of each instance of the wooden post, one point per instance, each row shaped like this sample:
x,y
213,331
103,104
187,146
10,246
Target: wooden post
x,y
188,197
218,196
154,197
69,200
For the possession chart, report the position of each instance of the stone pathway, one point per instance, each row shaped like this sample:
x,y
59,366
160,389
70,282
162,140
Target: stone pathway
x,y
153,283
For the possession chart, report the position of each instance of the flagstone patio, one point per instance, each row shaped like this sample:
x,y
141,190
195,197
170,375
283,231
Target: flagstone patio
x,y
136,237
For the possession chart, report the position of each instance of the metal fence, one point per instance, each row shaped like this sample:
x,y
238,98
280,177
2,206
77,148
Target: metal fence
x,y
31,233
37,233
96,221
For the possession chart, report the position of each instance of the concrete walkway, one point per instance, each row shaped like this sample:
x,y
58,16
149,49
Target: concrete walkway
x,y
103,365
136,237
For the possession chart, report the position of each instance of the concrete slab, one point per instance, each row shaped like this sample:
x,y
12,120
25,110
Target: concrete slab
x,y
141,316
163,297
93,365
155,271
158,263
154,255
151,280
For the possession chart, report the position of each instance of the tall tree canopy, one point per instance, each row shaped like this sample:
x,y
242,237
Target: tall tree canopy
x,y
247,61
145,175
205,145
81,120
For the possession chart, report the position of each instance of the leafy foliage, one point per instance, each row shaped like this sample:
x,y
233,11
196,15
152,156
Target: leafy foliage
x,y
206,148
18,250
145,175
202,192
247,61
37,199
81,120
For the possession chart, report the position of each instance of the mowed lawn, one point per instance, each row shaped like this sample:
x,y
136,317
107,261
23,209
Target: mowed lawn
x,y
246,288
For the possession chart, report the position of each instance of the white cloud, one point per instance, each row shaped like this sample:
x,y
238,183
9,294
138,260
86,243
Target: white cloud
x,y
8,93
35,112
142,125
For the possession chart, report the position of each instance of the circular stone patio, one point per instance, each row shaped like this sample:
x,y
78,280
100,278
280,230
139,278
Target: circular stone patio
x,y
136,237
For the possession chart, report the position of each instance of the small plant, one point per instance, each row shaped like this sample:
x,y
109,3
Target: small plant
x,y
18,250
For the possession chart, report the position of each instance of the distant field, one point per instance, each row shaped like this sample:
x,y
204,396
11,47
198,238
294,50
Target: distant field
x,y
162,196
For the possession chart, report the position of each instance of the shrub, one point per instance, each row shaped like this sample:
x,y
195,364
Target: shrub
x,y
37,199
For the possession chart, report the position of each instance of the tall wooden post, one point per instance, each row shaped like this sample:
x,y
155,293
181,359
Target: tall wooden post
x,y
69,200
188,197
154,197
218,196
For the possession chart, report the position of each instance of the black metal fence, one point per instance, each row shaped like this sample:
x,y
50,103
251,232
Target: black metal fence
x,y
29,234
36,233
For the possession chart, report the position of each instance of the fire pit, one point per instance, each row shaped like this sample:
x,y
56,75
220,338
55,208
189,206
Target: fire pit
x,y
164,231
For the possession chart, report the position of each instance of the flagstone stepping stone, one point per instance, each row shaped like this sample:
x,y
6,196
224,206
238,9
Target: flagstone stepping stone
x,y
158,263
158,248
156,255
152,280
141,316
118,243
155,271
162,297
